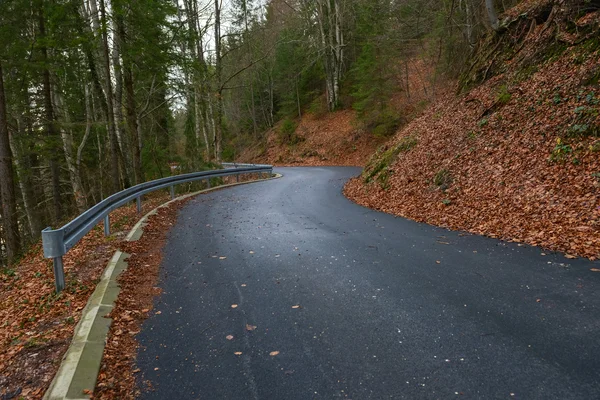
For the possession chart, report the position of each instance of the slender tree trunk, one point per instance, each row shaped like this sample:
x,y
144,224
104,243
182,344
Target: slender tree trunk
x,y
218,77
7,184
329,18
130,105
492,16
112,139
74,175
470,24
122,140
50,123
89,119
26,184
298,98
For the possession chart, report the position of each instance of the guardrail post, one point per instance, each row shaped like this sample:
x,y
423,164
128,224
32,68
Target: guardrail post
x,y
237,177
172,190
59,274
53,243
107,225
208,183
138,201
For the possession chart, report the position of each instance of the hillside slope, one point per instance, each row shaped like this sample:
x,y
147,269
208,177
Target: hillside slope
x,y
517,157
332,139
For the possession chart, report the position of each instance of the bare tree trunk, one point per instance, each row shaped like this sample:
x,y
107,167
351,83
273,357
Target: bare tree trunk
x,y
124,143
112,140
470,24
329,17
218,76
492,16
7,184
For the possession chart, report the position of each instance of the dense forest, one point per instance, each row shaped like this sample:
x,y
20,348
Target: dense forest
x,y
99,95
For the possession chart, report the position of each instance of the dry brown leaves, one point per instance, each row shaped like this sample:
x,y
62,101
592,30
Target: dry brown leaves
x,y
333,139
138,288
503,183
37,325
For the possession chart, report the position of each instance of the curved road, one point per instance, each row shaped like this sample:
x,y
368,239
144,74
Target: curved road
x,y
388,308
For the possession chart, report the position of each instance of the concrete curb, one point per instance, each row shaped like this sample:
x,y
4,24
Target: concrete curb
x,y
80,365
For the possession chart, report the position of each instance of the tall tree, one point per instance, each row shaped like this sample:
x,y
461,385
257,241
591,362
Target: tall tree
x,y
7,185
218,119
49,116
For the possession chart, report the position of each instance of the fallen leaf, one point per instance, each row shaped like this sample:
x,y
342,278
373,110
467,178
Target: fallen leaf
x,y
234,306
538,300
251,252
595,269
238,353
156,368
222,258
438,262
273,353
159,312
229,337
570,256
87,391
296,306
250,328
244,285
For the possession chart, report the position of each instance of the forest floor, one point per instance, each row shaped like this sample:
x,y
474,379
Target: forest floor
x,y
38,324
516,158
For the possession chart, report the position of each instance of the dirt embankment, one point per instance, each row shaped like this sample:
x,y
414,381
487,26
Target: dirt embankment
x,y
517,157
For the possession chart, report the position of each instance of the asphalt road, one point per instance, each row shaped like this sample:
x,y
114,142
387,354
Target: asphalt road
x,y
388,308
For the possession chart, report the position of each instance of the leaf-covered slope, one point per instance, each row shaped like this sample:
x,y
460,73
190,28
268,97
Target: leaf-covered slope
x,y
518,157
330,139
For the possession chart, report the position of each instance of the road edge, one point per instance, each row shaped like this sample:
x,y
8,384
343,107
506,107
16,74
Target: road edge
x,y
78,372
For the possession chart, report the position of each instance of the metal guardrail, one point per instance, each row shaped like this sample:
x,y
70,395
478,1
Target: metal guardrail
x,y
57,242
240,165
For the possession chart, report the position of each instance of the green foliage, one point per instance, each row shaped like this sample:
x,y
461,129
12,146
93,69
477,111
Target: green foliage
x,y
483,122
443,179
585,124
561,151
287,132
318,107
472,135
383,159
372,90
298,80
503,96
